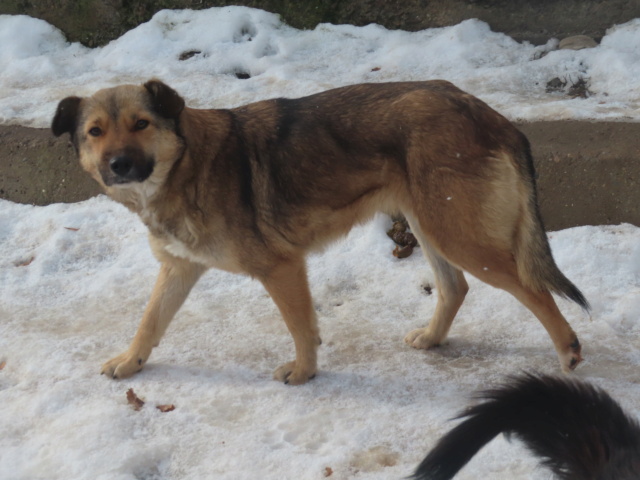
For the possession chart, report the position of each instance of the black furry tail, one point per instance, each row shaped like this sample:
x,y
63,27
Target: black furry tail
x,y
577,430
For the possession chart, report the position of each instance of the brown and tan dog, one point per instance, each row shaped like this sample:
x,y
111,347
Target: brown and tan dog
x,y
254,189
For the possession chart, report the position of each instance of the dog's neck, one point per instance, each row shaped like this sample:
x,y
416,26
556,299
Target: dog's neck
x,y
135,196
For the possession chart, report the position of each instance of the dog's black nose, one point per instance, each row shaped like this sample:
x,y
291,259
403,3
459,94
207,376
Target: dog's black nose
x,y
121,165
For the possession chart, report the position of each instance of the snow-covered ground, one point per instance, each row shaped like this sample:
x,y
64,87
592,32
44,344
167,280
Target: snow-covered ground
x,y
38,66
74,279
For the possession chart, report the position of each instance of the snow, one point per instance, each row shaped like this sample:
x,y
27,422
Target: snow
x,y
74,279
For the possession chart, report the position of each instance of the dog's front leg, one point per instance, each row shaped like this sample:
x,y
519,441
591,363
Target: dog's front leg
x,y
174,283
287,284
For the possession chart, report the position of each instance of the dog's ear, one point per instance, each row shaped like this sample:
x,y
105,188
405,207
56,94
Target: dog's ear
x,y
66,116
166,101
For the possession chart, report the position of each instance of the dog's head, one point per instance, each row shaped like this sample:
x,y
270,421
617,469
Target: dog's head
x,y
124,136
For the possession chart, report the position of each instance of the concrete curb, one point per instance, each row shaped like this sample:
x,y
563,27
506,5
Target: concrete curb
x,y
588,172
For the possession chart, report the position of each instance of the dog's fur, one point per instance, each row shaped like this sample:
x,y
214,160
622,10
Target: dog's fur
x,y
578,430
254,189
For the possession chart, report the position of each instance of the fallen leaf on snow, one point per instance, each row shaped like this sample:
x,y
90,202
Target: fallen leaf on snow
x,y
166,408
24,263
134,400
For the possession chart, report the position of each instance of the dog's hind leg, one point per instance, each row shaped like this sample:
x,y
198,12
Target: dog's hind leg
x,y
451,287
288,287
174,283
543,306
497,267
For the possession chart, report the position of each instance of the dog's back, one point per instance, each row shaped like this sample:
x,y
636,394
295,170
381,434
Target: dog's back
x,y
577,430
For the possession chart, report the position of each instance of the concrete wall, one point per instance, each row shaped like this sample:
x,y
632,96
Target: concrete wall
x,y
588,173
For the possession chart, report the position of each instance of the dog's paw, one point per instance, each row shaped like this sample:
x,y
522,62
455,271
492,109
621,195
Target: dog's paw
x,y
572,357
421,338
291,375
122,366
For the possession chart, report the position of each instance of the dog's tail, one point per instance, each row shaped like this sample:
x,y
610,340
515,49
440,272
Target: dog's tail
x,y
578,430
536,266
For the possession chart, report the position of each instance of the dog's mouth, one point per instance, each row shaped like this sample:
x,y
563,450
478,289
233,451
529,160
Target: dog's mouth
x,y
123,169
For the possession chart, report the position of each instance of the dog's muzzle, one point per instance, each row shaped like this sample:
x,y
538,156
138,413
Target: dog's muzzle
x,y
126,168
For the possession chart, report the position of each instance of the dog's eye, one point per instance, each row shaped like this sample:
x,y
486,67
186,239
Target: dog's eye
x,y
95,132
142,124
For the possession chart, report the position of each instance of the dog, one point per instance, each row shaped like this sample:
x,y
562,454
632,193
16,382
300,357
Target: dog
x,y
254,189
578,430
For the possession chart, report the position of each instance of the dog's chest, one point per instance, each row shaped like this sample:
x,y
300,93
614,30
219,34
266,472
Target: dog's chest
x,y
179,249
209,254
186,239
